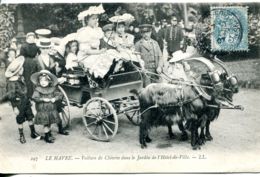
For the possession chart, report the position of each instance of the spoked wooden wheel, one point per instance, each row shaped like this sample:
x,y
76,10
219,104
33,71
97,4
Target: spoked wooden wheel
x,y
133,113
134,116
65,106
100,119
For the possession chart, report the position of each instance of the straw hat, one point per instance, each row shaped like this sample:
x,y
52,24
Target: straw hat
x,y
44,43
35,77
14,67
43,33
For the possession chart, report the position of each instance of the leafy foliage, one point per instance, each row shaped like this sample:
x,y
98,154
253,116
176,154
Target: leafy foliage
x,y
7,22
61,19
254,29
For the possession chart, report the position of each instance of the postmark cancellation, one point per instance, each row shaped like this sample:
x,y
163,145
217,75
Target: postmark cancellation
x,y
229,28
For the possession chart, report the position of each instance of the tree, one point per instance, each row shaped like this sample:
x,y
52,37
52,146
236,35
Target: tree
x,y
61,19
7,24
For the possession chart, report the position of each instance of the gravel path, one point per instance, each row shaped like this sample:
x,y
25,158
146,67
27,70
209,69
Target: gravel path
x,y
236,146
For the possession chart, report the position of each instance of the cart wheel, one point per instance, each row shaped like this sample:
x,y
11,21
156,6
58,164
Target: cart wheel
x,y
65,114
100,119
134,117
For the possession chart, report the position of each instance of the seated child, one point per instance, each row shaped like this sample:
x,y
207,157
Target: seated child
x,y
46,95
17,95
107,41
177,69
71,51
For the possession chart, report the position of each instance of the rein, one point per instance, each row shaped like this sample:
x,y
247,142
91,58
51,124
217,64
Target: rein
x,y
173,81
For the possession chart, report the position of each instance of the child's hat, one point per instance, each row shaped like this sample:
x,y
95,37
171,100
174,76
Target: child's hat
x,y
108,27
52,77
14,67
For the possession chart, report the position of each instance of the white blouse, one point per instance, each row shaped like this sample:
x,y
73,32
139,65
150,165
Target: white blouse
x,y
89,37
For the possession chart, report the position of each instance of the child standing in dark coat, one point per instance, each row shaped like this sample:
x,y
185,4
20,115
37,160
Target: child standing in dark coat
x,y
17,95
45,95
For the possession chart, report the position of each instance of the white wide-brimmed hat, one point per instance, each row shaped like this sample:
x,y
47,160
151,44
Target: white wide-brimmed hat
x,y
180,55
92,10
65,40
127,18
14,67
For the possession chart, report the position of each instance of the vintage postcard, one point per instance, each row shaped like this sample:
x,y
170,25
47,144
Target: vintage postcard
x,y
130,87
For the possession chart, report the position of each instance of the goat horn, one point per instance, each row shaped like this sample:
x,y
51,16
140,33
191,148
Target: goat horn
x,y
211,68
221,64
207,62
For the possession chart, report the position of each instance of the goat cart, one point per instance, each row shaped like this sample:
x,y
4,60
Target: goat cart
x,y
102,105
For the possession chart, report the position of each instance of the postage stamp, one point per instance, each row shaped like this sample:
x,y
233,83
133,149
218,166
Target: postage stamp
x,y
229,28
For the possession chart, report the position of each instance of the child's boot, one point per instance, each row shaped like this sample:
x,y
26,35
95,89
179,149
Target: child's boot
x,y
22,138
61,130
51,136
47,138
34,134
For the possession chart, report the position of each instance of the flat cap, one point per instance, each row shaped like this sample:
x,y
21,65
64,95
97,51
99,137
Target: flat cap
x,y
145,27
108,27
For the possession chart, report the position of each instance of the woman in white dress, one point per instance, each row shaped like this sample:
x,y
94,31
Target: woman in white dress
x,y
95,61
89,37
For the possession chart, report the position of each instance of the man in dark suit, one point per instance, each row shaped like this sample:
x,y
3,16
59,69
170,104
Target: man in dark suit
x,y
173,36
157,34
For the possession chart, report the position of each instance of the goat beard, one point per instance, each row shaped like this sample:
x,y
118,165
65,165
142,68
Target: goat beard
x,y
173,118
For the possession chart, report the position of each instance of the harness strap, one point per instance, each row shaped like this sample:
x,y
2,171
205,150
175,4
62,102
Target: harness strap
x,y
172,81
179,104
151,107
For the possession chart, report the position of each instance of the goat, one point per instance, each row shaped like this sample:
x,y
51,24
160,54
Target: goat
x,y
230,87
164,104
